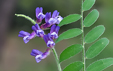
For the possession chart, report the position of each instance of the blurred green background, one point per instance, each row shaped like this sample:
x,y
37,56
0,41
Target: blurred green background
x,y
15,54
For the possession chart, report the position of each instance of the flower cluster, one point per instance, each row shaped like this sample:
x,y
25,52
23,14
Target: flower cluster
x,y
50,21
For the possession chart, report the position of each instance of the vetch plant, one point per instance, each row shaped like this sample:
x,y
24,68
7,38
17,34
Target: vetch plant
x,y
54,21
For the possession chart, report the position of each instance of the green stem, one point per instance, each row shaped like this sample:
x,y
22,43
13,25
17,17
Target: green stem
x,y
57,59
83,43
27,17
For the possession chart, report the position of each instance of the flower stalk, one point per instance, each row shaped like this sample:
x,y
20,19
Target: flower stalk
x,y
57,59
27,17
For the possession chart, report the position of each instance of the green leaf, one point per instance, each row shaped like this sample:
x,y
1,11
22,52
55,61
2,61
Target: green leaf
x,y
75,66
96,48
94,34
69,19
91,18
70,51
69,34
88,4
100,64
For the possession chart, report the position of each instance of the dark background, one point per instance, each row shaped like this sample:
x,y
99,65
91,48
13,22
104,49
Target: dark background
x,y
15,54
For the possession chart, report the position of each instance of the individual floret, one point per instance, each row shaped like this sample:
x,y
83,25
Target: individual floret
x,y
48,40
39,14
39,32
51,20
54,31
26,36
40,55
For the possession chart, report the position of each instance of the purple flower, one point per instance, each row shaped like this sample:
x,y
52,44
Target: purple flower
x,y
40,55
32,35
37,54
47,24
48,40
39,32
54,31
39,14
55,19
26,36
52,20
59,19
46,53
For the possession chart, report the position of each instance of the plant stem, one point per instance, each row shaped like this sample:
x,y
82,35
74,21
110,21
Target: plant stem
x,y
57,59
27,17
83,43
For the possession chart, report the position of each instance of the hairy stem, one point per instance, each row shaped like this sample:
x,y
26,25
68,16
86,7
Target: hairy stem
x,y
57,59
27,17
83,43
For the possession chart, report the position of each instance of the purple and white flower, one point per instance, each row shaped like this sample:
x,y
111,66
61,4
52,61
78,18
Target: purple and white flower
x,y
46,53
40,55
48,40
37,54
59,19
51,20
26,36
39,14
54,31
39,32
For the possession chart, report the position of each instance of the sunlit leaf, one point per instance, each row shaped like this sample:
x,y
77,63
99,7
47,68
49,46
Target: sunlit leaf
x,y
100,64
70,51
76,66
94,34
91,18
69,34
88,4
96,48
69,19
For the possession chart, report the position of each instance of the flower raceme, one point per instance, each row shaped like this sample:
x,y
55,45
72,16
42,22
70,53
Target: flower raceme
x,y
50,21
